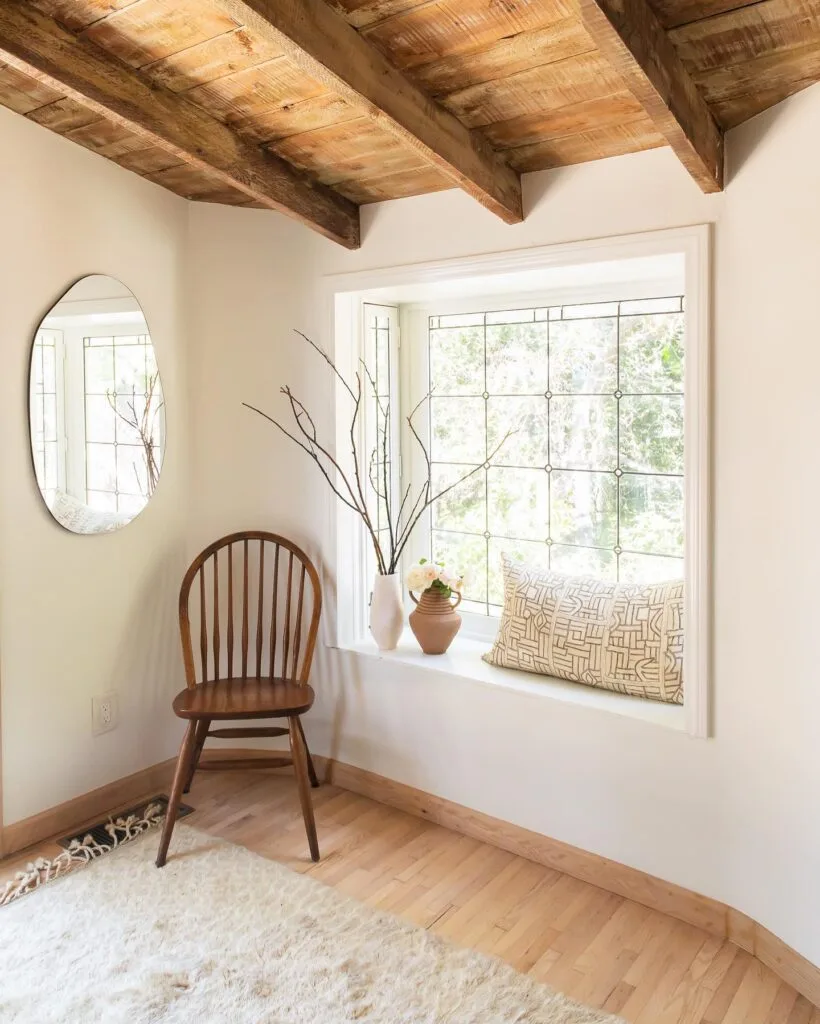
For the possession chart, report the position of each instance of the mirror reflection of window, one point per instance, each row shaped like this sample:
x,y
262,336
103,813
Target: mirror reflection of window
x,y
97,408
44,411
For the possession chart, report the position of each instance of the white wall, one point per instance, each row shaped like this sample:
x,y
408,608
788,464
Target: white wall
x,y
734,817
83,615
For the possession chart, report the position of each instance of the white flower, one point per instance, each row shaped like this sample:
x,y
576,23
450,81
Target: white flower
x,y
416,578
424,574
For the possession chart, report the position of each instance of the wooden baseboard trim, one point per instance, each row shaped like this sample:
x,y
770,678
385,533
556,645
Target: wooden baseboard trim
x,y
713,916
88,808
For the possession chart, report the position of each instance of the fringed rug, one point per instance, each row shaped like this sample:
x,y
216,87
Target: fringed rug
x,y
99,840
222,936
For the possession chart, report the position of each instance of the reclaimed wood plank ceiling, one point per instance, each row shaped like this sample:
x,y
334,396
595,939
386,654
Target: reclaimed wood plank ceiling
x,y
314,107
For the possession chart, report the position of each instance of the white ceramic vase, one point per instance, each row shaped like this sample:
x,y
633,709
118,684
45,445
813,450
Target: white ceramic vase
x,y
386,611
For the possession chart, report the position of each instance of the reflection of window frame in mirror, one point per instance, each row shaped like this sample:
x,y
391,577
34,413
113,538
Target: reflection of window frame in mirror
x,y
38,429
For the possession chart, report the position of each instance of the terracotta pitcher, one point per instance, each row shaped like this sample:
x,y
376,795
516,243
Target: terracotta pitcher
x,y
434,620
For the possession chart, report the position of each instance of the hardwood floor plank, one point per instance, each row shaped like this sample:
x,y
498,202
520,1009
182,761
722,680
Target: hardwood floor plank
x,y
602,949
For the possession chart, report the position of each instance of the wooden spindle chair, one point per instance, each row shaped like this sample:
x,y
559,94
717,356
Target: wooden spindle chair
x,y
257,599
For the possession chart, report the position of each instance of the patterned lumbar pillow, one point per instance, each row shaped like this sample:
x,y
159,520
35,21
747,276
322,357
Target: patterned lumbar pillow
x,y
626,637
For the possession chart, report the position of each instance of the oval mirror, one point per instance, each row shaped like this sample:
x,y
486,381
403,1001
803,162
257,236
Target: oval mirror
x,y
96,408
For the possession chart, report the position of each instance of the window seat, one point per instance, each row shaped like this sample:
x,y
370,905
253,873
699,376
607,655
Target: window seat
x,y
463,660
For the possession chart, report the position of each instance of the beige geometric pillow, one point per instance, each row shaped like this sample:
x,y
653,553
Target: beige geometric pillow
x,y
626,637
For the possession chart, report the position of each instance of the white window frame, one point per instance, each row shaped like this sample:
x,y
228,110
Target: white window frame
x,y
344,295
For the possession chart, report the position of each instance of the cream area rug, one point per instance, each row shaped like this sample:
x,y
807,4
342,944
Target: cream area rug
x,y
222,935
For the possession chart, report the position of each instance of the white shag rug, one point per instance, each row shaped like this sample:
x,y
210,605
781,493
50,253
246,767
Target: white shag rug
x,y
223,936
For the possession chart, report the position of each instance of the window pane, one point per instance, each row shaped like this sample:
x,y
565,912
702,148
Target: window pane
x,y
37,417
100,467
665,305
49,417
590,309
463,508
583,433
584,508
99,370
525,419
49,367
151,368
50,465
648,568
583,562
131,470
384,542
99,419
511,316
102,501
131,409
457,361
517,359
652,433
518,503
129,369
651,514
652,354
458,430
469,556
383,362
461,320
590,480
525,551
378,505
584,356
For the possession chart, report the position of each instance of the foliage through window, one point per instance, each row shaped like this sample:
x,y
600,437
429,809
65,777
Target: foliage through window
x,y
592,480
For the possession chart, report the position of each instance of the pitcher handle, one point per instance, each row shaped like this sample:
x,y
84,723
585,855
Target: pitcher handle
x,y
413,596
458,599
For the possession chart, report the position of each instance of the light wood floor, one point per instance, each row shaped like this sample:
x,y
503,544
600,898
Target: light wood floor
x,y
598,948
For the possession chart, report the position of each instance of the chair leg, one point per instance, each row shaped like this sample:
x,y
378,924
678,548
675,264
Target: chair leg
x,y
299,751
314,778
180,775
202,727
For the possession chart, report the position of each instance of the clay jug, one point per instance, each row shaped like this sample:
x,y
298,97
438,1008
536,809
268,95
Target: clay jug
x,y
434,620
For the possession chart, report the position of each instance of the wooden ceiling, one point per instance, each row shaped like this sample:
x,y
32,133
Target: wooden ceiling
x,y
313,107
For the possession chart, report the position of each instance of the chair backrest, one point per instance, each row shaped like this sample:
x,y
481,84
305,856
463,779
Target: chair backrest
x,y
250,605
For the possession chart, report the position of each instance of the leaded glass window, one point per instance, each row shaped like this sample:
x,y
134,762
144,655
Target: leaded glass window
x,y
591,479
381,415
116,473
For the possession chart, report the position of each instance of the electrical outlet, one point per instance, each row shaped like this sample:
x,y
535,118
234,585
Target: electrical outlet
x,y
104,713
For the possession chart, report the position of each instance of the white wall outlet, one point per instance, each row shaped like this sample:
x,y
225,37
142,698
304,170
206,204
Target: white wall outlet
x,y
104,716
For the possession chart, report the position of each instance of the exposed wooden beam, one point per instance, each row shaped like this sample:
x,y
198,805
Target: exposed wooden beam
x,y
630,36
40,47
325,47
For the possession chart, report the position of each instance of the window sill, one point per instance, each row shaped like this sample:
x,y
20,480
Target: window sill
x,y
463,660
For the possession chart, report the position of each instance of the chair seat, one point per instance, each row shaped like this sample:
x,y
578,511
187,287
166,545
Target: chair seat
x,y
244,698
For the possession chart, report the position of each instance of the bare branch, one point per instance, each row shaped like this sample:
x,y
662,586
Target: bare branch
x,y
387,496
297,409
329,362
412,519
401,508
309,451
